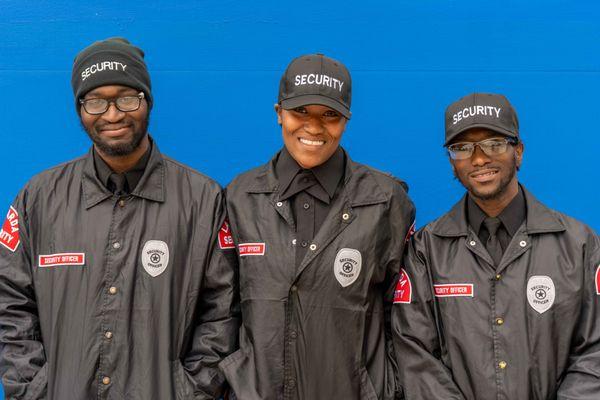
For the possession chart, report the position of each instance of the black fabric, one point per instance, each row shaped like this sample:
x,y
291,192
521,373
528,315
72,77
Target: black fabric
x,y
118,184
132,177
306,181
493,244
310,193
481,110
113,61
169,327
489,340
306,334
316,79
512,217
328,174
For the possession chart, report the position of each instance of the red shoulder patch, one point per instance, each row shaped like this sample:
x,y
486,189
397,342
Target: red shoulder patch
x,y
9,234
411,231
225,237
403,292
598,280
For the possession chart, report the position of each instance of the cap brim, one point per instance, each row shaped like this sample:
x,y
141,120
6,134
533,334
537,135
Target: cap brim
x,y
494,128
309,99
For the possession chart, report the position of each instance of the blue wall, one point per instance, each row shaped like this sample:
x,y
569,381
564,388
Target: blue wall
x,y
216,66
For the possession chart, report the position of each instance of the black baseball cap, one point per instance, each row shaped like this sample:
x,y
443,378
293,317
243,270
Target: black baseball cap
x,y
316,79
481,110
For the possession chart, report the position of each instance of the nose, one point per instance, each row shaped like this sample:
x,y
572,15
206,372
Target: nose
x,y
113,114
479,158
313,125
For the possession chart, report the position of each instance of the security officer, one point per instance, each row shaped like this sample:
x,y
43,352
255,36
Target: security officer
x,y
319,239
113,279
499,298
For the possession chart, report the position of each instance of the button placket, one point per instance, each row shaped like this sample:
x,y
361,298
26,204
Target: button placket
x,y
290,350
111,297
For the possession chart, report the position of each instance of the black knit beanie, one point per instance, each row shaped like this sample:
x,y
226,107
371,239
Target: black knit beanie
x,y
113,61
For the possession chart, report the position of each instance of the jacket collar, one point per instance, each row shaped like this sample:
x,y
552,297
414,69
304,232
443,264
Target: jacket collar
x,y
151,185
360,187
539,219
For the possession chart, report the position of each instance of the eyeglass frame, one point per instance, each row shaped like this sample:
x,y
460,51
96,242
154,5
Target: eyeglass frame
x,y
113,100
507,140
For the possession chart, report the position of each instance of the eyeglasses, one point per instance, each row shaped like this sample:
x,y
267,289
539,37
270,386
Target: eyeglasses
x,y
491,147
100,106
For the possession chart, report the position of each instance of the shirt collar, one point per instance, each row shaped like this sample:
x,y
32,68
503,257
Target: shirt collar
x,y
286,168
151,185
514,214
132,176
328,175
512,217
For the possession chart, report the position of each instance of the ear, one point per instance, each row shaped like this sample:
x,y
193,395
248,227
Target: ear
x,y
519,149
278,111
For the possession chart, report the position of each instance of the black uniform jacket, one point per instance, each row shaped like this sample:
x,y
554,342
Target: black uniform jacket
x,y
527,330
318,331
116,298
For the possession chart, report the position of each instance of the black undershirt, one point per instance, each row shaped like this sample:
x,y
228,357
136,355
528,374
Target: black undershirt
x,y
310,192
512,217
131,177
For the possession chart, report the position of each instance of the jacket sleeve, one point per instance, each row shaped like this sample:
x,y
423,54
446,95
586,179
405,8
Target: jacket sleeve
x,y
217,316
22,355
402,219
423,375
582,379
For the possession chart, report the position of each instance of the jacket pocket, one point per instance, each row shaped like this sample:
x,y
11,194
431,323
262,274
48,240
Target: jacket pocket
x,y
241,376
367,390
184,389
38,387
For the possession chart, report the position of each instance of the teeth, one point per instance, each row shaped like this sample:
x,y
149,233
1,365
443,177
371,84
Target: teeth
x,y
486,174
312,142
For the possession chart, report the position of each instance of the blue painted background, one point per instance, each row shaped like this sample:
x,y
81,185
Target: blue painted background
x,y
216,65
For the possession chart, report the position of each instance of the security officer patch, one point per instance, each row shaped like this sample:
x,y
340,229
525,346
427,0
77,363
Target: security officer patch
x,y
155,257
540,293
346,267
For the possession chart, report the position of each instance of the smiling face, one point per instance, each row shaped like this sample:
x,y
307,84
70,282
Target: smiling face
x,y
311,133
115,133
488,178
